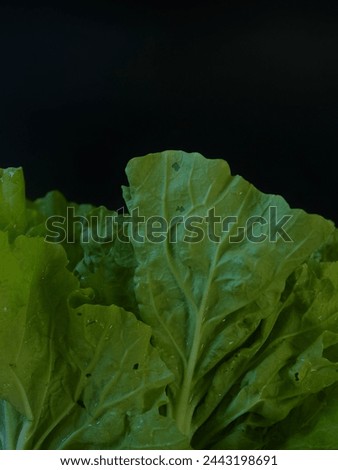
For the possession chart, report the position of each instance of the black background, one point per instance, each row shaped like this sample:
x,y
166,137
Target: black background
x,y
84,88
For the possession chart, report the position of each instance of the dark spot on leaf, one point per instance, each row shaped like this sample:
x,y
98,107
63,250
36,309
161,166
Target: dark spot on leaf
x,y
88,375
81,404
91,322
79,314
163,410
180,208
175,166
136,366
297,377
12,365
321,396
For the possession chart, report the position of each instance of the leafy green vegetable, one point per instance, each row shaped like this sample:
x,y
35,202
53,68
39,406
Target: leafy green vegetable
x,y
12,201
72,372
213,324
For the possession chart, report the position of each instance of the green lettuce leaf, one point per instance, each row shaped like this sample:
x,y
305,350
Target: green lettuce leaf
x,y
12,201
73,375
212,306
296,368
106,266
313,425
